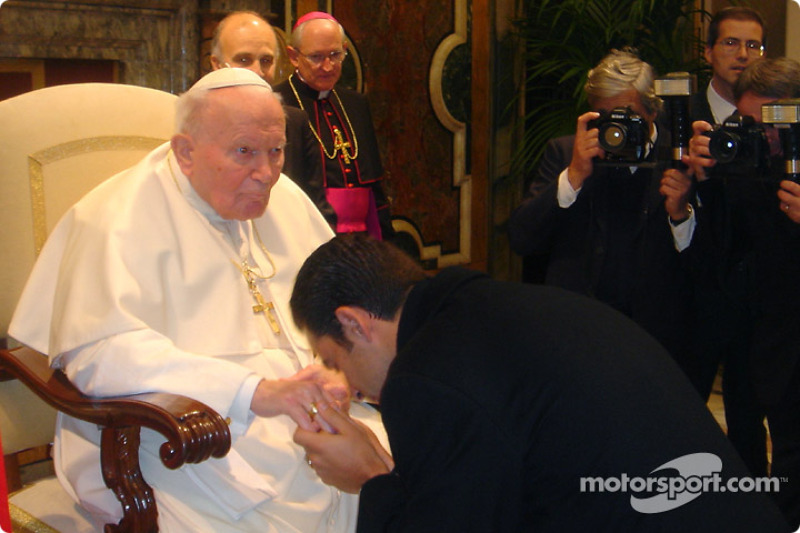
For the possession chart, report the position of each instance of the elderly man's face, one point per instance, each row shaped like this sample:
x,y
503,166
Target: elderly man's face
x,y
237,155
313,61
248,43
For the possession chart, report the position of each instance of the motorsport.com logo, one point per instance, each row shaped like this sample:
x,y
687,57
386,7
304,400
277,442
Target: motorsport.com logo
x,y
697,473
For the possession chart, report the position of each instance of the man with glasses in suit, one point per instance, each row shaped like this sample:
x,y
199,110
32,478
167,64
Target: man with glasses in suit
x,y
736,39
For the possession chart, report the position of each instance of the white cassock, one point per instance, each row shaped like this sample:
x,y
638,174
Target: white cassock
x,y
140,288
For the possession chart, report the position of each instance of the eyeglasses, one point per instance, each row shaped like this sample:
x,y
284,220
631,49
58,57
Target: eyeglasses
x,y
732,45
335,57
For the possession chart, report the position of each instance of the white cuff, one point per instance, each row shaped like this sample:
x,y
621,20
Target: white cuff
x,y
566,194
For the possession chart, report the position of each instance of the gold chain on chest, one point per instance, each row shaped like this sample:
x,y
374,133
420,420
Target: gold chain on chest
x,y
338,140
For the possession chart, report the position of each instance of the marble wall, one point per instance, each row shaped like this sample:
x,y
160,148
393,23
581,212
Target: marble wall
x,y
155,42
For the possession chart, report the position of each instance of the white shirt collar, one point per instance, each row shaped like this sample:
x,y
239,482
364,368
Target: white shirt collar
x,y
720,108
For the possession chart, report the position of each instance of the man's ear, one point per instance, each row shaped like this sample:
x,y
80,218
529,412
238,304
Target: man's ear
x,y
707,54
216,64
183,148
294,55
355,323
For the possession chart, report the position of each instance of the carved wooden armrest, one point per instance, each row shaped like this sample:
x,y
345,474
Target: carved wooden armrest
x,y
193,431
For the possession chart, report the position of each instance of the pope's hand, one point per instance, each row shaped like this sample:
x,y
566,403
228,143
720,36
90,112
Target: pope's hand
x,y
297,399
332,381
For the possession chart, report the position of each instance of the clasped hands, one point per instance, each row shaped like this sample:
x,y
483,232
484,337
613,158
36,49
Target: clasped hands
x,y
297,396
342,451
347,456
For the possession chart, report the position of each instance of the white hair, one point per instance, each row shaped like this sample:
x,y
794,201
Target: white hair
x,y
621,71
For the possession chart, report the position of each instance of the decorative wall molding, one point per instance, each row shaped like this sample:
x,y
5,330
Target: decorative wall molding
x,y
461,179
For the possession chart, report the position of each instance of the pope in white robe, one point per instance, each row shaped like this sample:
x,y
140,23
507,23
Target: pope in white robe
x,y
143,287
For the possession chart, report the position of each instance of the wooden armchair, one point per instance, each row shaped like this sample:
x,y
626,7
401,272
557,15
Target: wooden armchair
x,y
55,145
193,432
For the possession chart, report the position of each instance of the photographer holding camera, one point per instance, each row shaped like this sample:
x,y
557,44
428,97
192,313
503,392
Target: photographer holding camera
x,y
736,38
610,220
748,236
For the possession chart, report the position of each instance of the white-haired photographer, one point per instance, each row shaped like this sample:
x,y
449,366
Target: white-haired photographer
x,y
611,222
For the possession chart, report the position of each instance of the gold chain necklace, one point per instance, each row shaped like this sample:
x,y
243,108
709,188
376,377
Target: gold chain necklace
x,y
338,140
251,277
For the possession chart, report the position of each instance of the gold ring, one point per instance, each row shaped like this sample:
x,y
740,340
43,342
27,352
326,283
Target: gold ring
x,y
313,411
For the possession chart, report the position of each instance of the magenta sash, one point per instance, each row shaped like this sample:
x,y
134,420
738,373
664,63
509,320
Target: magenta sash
x,y
355,210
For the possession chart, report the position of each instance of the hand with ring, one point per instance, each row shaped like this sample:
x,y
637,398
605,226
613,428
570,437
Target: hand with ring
x,y
313,411
789,196
297,399
333,382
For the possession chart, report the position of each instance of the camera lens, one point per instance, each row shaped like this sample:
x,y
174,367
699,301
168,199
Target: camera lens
x,y
724,146
613,137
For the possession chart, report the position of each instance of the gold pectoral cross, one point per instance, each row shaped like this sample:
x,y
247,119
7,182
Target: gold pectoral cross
x,y
340,144
262,306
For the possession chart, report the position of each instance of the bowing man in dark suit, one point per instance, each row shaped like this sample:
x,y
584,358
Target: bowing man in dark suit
x,y
347,148
243,39
500,401
615,232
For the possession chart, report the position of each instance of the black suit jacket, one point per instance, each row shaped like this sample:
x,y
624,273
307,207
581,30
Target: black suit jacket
x,y
614,244
503,396
301,161
751,251
699,108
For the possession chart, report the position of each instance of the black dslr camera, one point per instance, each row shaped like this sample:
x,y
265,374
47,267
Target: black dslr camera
x,y
740,147
785,115
623,134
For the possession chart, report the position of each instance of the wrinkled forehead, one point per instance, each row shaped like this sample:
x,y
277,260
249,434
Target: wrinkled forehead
x,y
249,35
630,97
321,33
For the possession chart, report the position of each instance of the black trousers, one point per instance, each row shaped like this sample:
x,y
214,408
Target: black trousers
x,y
784,429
